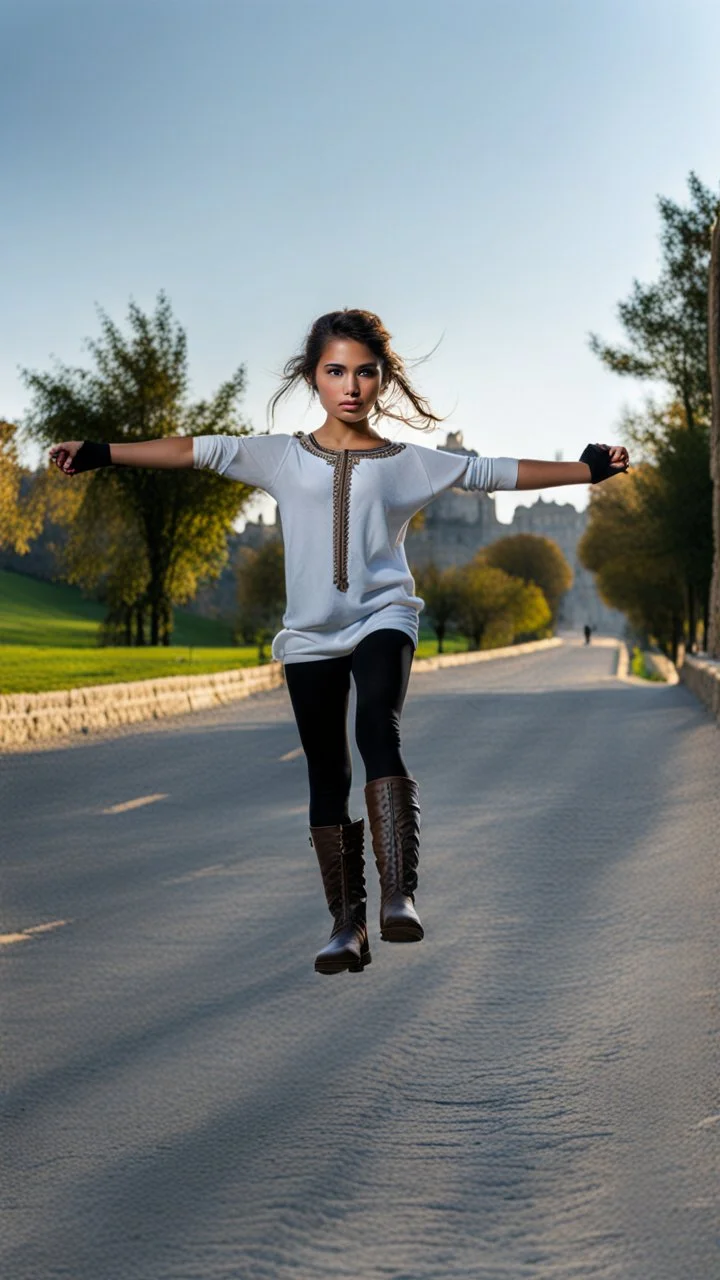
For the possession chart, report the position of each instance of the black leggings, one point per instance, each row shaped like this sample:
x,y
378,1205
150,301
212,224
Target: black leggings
x,y
319,693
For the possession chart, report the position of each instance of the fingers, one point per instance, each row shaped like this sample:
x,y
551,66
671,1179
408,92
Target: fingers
x,y
619,456
62,457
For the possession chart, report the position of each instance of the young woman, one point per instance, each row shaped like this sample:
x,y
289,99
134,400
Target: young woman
x,y
345,496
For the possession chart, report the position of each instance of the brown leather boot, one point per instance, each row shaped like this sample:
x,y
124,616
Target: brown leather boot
x,y
393,806
340,854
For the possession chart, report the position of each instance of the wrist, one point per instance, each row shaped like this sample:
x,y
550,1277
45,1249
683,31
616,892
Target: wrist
x,y
91,455
597,461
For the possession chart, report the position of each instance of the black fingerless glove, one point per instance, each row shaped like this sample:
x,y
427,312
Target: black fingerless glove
x,y
599,463
91,455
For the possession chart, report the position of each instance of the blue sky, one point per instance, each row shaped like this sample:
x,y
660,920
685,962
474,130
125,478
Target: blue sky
x,y
485,173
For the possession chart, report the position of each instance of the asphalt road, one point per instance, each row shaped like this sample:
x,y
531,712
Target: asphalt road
x,y
530,1092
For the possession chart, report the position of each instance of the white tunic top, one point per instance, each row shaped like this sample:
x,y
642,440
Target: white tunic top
x,y
344,514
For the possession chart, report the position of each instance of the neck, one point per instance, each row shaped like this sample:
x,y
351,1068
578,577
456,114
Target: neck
x,y
337,434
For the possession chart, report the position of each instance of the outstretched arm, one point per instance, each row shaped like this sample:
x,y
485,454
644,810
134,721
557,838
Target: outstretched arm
x,y
172,451
542,475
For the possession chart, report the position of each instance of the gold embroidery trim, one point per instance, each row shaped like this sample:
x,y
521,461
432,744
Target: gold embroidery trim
x,y
343,461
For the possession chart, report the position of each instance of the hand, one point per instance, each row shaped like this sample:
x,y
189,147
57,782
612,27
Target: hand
x,y
605,460
619,456
63,455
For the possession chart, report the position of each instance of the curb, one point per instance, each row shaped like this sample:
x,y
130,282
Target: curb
x,y
26,718
33,717
483,655
661,665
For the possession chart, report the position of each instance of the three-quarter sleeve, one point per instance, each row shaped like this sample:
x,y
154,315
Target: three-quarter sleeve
x,y
446,470
254,460
490,474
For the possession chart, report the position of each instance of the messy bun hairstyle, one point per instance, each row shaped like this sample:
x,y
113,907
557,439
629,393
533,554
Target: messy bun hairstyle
x,y
395,385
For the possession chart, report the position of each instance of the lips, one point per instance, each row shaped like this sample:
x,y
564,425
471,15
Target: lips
x,y
350,405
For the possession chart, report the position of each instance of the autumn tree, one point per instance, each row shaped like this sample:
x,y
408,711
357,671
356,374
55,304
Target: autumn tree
x,y
144,536
625,545
21,516
493,604
533,558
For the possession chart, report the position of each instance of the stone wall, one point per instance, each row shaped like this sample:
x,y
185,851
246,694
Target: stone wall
x,y
702,677
26,718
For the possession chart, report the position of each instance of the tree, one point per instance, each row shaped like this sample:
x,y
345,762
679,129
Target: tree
x,y
440,589
625,544
261,593
667,327
679,499
712,641
142,536
491,601
533,558
666,322
20,517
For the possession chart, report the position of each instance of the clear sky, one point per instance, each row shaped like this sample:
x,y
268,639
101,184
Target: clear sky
x,y
481,172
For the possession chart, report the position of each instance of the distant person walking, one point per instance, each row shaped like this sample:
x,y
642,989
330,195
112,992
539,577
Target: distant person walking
x,y
588,632
345,496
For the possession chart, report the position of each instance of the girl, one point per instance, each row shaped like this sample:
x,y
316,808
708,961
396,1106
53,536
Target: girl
x,y
345,497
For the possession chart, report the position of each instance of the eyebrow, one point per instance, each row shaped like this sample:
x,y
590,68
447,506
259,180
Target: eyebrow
x,y
367,364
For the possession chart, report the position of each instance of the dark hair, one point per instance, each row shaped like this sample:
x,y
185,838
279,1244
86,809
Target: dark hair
x,y
367,328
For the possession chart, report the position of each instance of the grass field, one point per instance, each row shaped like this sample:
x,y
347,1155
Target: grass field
x,y
48,640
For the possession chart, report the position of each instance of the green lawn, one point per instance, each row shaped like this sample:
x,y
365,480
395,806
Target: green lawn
x,y
53,613
48,640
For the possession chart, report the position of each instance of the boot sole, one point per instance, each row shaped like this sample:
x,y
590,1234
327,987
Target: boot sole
x,y
402,933
339,966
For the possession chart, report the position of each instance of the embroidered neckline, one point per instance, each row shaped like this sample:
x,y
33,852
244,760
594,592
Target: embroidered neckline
x,y
343,463
385,450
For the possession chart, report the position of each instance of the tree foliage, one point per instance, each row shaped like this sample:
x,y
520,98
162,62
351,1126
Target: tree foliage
x,y
143,537
488,605
492,599
441,591
261,592
666,324
533,558
625,545
666,321
21,517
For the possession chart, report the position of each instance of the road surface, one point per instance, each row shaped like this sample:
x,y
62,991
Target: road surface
x,y
530,1092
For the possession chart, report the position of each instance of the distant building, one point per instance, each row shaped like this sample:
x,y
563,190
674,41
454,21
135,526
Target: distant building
x,y
458,524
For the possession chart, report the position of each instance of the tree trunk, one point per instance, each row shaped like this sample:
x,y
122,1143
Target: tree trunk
x,y
140,622
128,625
712,639
691,617
676,632
440,632
154,621
166,630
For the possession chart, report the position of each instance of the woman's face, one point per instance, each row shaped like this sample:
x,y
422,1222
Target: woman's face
x,y
348,379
